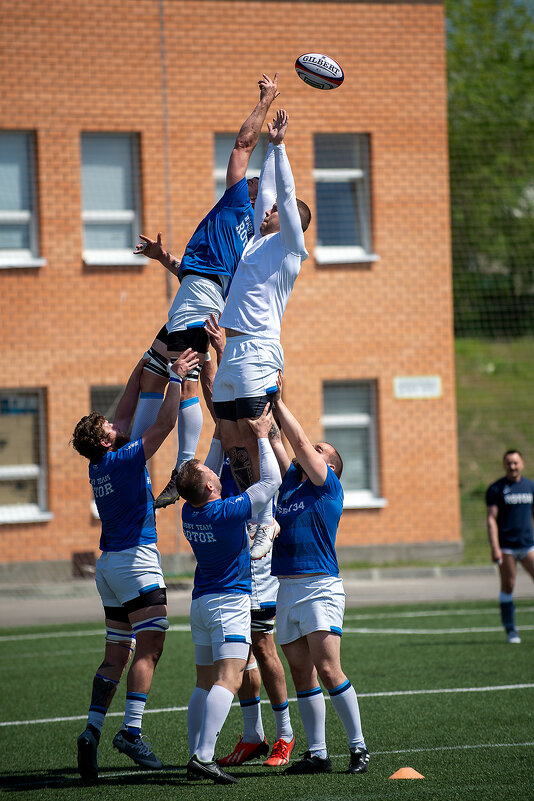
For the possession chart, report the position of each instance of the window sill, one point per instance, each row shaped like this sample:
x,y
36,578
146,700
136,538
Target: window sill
x,y
343,255
14,263
23,513
360,500
113,258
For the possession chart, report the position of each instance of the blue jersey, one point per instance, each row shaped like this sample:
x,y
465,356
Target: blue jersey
x,y
220,238
514,517
309,518
123,496
217,534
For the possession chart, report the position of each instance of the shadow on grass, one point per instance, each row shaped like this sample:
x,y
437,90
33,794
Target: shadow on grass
x,y
68,778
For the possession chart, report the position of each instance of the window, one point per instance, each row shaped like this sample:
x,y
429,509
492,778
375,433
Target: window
x,y
349,421
110,199
18,224
224,144
22,457
105,400
342,196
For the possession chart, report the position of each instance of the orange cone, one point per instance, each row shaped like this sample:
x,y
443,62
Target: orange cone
x,y
406,773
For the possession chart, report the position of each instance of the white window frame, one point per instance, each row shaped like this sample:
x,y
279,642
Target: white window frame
x,y
219,173
360,499
113,257
28,512
24,257
349,254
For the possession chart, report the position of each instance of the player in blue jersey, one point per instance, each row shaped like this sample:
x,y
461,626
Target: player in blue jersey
x,y
220,606
128,573
205,272
263,665
509,503
311,599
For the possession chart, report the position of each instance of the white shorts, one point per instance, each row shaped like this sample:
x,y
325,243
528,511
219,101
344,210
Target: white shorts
x,y
519,553
220,627
248,369
264,586
122,576
308,604
195,300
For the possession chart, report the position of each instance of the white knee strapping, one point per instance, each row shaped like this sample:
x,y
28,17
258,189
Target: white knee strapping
x,y
158,364
251,665
151,624
121,636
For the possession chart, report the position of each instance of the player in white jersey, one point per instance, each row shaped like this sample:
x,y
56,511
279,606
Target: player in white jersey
x,y
220,607
205,272
128,574
252,317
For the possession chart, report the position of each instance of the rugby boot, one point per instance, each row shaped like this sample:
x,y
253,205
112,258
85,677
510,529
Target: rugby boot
x,y
168,495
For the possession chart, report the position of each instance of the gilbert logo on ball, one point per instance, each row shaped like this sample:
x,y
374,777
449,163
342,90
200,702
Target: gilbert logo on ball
x,y
319,71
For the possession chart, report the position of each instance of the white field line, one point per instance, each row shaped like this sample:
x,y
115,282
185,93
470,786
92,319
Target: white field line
x,y
470,630
185,628
432,613
389,694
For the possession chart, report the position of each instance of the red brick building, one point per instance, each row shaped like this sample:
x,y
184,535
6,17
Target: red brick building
x,y
113,115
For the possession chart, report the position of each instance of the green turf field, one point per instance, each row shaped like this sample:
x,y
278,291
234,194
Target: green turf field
x,y
440,691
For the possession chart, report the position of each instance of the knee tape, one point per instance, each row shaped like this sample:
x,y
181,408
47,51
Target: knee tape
x,y
158,364
251,666
151,624
121,637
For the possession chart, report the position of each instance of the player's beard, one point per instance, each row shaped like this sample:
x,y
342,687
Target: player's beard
x,y
121,439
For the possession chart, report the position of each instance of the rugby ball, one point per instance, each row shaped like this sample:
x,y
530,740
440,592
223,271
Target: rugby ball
x,y
319,71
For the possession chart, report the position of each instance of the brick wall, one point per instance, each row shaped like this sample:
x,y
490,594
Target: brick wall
x,y
97,66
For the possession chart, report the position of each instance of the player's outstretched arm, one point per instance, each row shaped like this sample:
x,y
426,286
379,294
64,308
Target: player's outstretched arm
x,y
168,413
309,459
249,133
153,249
263,490
127,404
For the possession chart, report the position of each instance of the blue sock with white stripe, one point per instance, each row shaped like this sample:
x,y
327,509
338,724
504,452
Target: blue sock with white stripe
x,y
507,611
189,427
284,730
313,714
252,723
148,406
133,712
345,702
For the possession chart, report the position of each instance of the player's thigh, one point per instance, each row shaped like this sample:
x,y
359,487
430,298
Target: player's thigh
x,y
507,571
528,562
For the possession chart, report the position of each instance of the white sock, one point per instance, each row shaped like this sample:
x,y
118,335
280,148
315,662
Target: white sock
x,y
252,722
216,711
147,410
283,722
313,714
195,710
345,702
189,428
134,709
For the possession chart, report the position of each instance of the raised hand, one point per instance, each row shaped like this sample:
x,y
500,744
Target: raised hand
x,y
268,88
278,127
151,248
185,363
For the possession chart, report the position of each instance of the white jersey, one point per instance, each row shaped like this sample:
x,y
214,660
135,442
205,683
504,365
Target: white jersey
x,y
270,264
